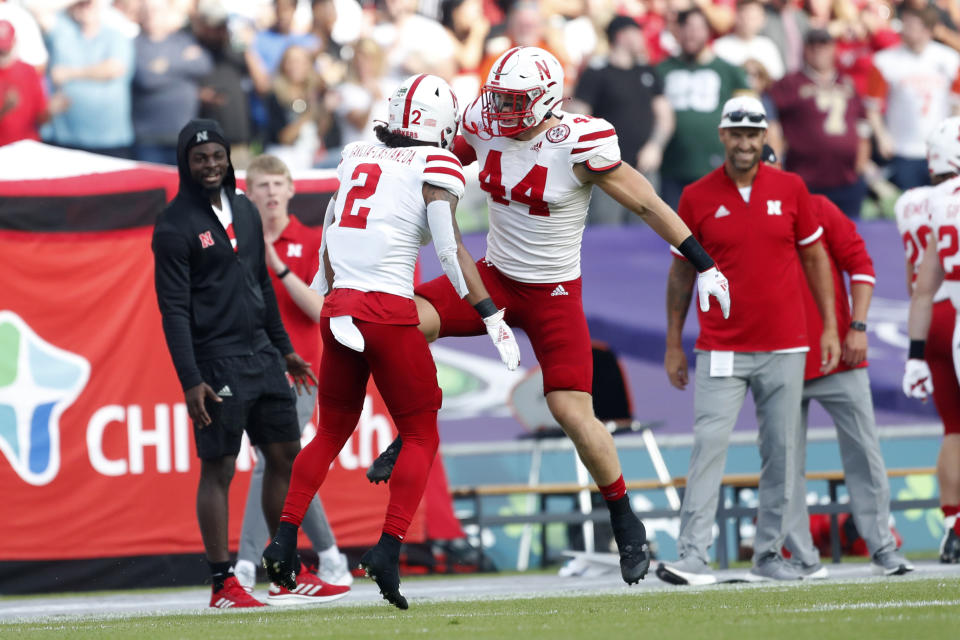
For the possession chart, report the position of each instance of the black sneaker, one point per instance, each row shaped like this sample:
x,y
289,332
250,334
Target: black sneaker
x,y
950,548
382,467
386,573
634,551
280,561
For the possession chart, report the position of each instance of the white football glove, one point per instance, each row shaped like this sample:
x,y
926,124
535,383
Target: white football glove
x,y
713,283
916,379
503,339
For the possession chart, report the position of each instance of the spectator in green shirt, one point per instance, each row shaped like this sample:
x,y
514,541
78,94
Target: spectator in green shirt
x,y
696,83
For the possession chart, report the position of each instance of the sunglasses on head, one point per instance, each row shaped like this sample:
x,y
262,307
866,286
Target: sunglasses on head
x,y
739,115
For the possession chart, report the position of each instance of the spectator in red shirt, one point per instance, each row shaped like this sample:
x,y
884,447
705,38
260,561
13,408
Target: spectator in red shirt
x,y
293,256
758,222
846,396
824,125
23,105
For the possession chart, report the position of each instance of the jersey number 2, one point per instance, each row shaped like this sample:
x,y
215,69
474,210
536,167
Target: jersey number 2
x,y
363,191
528,191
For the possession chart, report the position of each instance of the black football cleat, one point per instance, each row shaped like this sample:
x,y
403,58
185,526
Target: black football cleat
x,y
385,572
634,562
281,564
631,537
950,548
382,467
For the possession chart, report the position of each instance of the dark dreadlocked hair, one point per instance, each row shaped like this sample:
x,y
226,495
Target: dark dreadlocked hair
x,y
392,140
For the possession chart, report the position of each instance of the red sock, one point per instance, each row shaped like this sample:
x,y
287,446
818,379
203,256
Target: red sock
x,y
952,510
313,462
409,477
615,490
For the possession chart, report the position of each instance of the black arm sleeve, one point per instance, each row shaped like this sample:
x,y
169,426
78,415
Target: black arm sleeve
x,y
272,321
172,280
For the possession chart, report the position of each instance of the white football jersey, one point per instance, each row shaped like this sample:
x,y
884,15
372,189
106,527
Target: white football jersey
x,y
380,218
945,221
912,210
920,91
537,205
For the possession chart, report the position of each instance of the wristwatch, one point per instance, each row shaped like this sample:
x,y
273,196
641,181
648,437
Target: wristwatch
x,y
858,326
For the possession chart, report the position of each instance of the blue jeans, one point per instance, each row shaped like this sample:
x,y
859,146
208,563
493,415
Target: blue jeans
x,y
848,198
908,173
671,188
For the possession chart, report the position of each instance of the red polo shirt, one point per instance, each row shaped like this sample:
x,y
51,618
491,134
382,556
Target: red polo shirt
x,y
299,248
755,245
848,254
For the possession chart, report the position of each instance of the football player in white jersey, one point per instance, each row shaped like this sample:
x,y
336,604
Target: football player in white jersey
x,y
538,166
392,198
930,226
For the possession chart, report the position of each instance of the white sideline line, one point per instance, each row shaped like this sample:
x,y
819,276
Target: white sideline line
x,y
895,604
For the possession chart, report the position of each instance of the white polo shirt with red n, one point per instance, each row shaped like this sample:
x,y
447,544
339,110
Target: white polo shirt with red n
x,y
848,254
754,235
299,248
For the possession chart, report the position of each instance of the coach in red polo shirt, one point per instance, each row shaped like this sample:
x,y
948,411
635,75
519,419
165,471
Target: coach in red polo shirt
x,y
293,256
845,394
759,225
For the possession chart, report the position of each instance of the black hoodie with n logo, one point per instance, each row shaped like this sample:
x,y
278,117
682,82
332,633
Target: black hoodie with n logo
x,y
215,302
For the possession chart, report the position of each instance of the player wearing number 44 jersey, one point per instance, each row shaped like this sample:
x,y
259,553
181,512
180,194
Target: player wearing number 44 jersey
x,y
928,219
538,166
393,196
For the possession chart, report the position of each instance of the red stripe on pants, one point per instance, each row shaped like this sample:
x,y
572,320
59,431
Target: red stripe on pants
x,y
402,367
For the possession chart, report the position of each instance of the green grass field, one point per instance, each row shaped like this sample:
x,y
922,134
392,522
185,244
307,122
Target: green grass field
x,y
902,609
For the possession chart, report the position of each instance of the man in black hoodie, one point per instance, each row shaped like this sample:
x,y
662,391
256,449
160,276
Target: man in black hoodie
x,y
226,339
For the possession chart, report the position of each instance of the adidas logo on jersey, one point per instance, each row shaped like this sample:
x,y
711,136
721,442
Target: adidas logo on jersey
x,y
559,291
722,211
537,146
225,392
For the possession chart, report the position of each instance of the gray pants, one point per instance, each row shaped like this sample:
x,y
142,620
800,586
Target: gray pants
x,y
846,397
254,535
776,381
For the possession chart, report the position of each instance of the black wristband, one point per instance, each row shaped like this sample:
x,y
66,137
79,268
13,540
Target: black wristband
x,y
283,274
917,348
694,252
485,308
856,325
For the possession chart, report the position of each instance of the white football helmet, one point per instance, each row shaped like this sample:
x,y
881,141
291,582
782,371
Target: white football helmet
x,y
943,147
424,108
524,84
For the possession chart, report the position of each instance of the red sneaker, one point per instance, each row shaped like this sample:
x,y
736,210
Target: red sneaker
x,y
309,589
233,595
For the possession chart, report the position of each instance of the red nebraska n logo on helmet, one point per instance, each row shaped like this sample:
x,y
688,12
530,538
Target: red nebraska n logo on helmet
x,y
543,69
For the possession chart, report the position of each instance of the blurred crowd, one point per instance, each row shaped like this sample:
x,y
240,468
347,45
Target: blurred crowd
x,y
853,87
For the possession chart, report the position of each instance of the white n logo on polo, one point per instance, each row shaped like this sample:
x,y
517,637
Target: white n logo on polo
x,y
202,136
722,211
294,250
773,208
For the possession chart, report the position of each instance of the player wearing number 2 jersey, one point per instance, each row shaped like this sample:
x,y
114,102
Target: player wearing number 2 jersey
x,y
538,166
393,196
929,221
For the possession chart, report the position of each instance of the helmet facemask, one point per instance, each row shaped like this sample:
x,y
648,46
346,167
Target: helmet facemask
x,y
508,112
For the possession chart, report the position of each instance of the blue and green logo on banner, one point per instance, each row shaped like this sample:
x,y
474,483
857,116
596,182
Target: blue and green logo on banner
x,y
38,381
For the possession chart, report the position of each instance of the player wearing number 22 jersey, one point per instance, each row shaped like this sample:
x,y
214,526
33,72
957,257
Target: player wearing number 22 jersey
x,y
393,197
538,166
930,227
